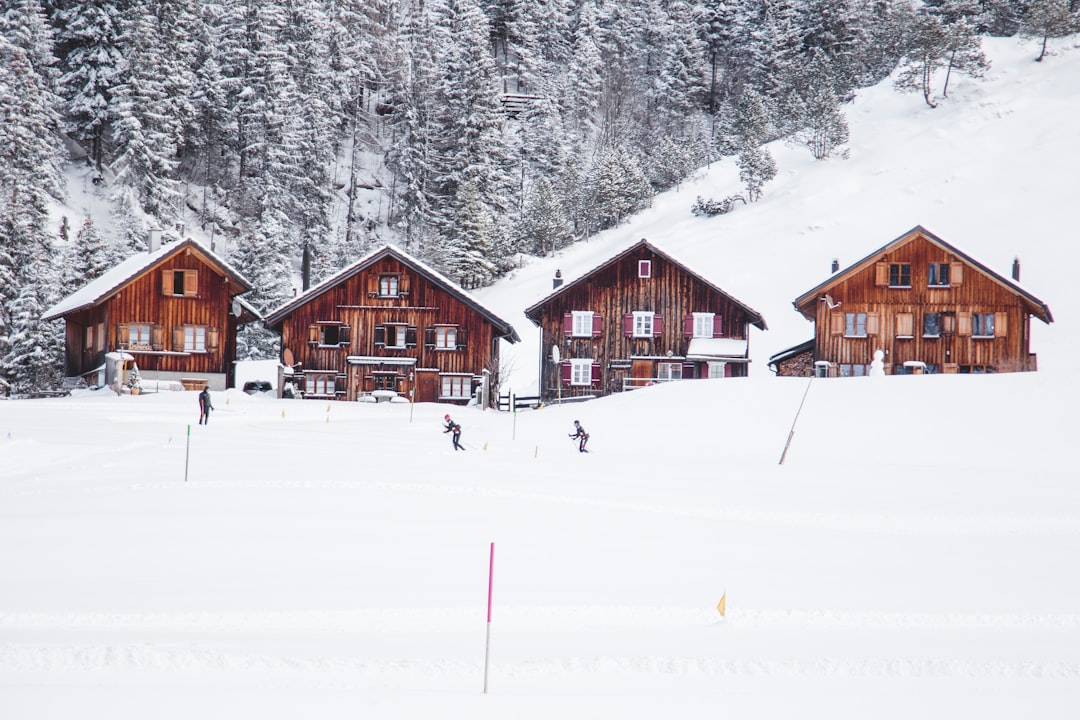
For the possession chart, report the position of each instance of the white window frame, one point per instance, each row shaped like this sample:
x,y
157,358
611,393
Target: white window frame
x,y
321,384
582,324
851,324
194,338
669,371
455,387
581,372
644,268
979,323
717,369
139,335
704,324
399,332
643,324
389,286
445,338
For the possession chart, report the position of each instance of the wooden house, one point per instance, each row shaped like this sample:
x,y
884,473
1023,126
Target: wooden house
x,y
174,309
386,326
927,306
640,318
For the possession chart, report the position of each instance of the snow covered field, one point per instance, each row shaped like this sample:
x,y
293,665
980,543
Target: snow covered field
x,y
914,557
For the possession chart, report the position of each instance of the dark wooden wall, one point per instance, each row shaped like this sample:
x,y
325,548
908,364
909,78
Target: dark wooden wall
x,y
615,290
976,292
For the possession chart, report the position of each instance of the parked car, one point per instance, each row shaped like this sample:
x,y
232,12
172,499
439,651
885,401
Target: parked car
x,y
253,387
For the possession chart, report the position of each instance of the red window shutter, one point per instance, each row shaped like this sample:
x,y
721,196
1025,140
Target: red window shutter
x,y
718,326
727,369
657,325
688,326
567,373
628,324
567,323
597,325
596,373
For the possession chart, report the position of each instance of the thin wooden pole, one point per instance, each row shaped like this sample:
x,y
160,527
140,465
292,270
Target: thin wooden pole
x,y
187,452
487,645
791,433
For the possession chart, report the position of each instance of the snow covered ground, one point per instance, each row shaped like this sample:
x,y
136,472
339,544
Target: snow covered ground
x,y
914,556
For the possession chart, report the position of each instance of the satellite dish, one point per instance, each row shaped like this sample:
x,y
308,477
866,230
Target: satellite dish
x,y
287,356
236,309
555,354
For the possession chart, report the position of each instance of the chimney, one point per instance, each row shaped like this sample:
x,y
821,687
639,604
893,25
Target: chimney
x,y
835,265
557,280
153,240
1016,269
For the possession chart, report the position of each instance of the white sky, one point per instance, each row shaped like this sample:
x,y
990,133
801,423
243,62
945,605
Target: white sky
x,y
915,556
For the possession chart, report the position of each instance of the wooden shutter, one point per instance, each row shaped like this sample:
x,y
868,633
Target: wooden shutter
x,y
718,326
373,284
657,325
837,323
956,273
688,326
121,336
166,282
191,283
597,325
881,274
873,323
963,323
628,324
313,335
568,324
595,374
461,337
567,373
403,284
410,337
345,335
178,338
157,337
429,337
905,324
1001,324
380,336
213,338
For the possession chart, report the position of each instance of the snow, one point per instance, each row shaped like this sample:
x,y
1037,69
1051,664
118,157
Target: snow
x,y
914,555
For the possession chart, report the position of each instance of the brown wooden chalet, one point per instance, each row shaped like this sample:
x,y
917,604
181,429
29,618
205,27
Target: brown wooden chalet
x,y
927,306
641,317
387,326
175,310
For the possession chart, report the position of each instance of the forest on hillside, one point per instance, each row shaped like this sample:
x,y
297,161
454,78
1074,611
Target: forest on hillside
x,y
486,128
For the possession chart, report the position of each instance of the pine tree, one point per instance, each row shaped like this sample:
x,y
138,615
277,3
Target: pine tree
x,y
820,122
89,256
927,50
262,257
544,223
756,167
1047,19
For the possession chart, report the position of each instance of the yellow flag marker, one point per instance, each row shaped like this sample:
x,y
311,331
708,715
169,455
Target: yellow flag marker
x,y
327,408
485,446
721,606
282,414
328,419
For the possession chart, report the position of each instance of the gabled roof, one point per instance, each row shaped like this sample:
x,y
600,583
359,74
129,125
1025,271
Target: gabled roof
x,y
98,290
792,352
504,329
754,315
1035,306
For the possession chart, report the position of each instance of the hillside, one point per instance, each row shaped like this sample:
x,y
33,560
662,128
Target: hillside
x,y
990,170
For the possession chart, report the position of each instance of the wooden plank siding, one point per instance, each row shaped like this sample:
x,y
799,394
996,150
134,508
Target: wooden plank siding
x,y
364,359
895,313
612,292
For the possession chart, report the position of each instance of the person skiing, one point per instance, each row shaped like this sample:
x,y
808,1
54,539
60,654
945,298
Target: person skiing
x,y
453,427
581,435
205,406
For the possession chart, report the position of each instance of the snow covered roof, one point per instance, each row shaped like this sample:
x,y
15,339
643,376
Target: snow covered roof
x,y
755,317
120,275
716,348
279,314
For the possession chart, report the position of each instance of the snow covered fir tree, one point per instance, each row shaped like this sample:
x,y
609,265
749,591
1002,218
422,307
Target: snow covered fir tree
x,y
292,136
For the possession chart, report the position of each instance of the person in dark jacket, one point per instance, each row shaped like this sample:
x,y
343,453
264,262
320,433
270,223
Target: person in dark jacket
x,y
453,427
581,435
205,407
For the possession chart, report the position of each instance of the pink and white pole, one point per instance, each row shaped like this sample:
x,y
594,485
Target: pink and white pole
x,y
487,646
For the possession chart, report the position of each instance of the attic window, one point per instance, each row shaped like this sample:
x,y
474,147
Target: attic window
x,y
644,268
180,283
388,285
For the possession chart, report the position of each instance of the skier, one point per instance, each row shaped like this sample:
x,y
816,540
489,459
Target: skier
x,y
581,435
204,407
453,427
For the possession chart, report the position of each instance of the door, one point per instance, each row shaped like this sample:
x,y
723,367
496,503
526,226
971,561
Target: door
x,y
427,386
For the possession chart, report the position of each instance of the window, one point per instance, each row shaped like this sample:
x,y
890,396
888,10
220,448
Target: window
x,y
931,325
644,268
704,324
948,323
669,371
938,275
88,342
194,338
582,323
139,336
717,369
182,283
446,338
388,285
320,383
395,336
982,324
899,274
100,337
456,386
643,324
329,334
852,370
581,372
386,381
854,324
